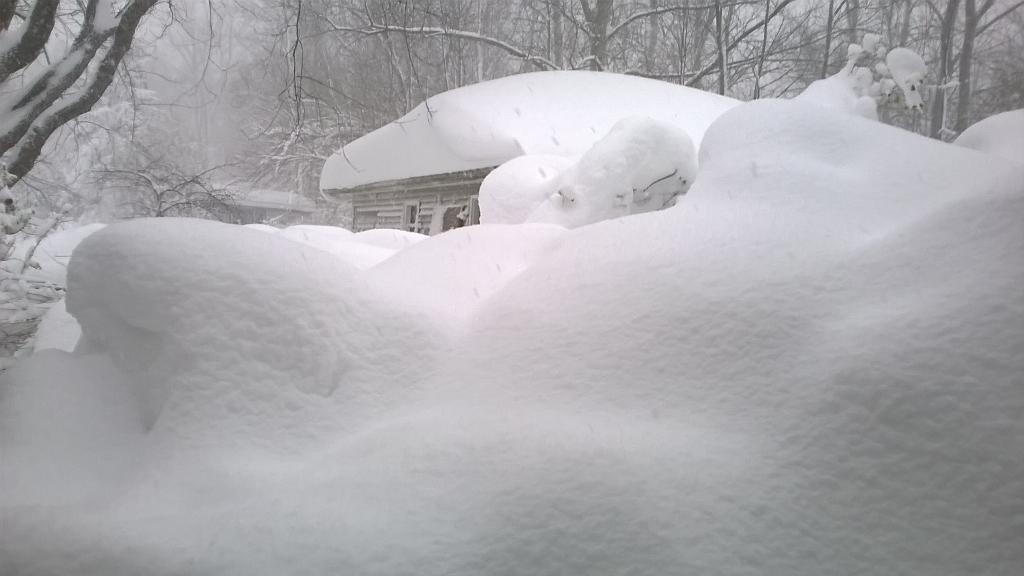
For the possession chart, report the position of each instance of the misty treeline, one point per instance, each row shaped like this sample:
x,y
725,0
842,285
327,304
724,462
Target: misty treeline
x,y
221,94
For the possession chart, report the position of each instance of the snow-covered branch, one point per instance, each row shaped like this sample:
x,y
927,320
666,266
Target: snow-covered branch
x,y
374,28
44,106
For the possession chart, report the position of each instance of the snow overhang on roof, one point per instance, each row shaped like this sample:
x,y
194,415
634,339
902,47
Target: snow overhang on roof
x,y
486,124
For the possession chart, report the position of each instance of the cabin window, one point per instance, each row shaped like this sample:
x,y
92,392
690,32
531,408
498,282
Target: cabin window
x,y
409,217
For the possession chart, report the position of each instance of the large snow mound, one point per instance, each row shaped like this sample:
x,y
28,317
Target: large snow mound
x,y
232,318
1002,135
811,366
482,125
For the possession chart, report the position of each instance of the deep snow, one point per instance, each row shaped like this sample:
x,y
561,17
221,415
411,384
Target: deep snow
x,y
812,365
1002,135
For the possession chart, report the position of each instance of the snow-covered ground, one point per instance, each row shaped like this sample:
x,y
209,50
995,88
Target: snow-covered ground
x,y
810,365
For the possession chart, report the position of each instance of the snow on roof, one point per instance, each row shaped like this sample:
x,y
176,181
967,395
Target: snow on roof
x,y
486,124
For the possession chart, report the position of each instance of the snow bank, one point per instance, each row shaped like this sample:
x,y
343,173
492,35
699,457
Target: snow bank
x,y
811,365
639,166
389,239
512,191
449,276
234,317
1001,135
559,113
339,242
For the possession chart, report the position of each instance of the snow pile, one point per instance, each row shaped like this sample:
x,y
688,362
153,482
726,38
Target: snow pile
x,y
812,362
204,311
339,242
639,166
452,275
389,239
512,191
557,113
1002,135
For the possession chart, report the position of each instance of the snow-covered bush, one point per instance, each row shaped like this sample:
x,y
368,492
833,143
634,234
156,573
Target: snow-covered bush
x,y
512,191
639,166
869,80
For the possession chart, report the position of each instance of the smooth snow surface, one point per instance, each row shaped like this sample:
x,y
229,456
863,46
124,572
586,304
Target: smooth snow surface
x,y
561,113
389,239
1002,135
340,242
812,366
57,330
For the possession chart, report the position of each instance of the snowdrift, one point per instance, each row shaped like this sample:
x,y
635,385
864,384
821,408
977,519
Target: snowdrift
x,y
1002,135
810,366
560,113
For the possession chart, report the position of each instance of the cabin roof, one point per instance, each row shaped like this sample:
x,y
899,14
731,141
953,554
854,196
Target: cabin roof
x,y
486,124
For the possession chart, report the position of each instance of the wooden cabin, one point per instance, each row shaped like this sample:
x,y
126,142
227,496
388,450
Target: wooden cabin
x,y
422,172
425,204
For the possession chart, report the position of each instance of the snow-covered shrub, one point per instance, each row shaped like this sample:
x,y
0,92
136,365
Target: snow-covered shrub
x,y
641,165
869,80
512,191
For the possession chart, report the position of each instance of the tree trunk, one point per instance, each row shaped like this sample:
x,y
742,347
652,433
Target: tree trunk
x,y
723,68
651,50
764,50
938,118
598,15
555,22
830,23
963,103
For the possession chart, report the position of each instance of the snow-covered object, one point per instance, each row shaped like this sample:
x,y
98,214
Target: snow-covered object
x,y
389,239
871,42
842,91
512,191
1001,134
908,70
639,166
559,112
339,242
810,366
